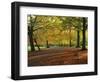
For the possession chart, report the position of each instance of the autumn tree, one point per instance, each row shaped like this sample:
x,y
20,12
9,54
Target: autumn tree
x,y
47,31
84,33
31,23
77,23
30,32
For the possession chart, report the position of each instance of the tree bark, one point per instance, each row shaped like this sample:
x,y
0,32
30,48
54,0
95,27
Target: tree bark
x,y
30,33
78,39
83,33
47,44
37,44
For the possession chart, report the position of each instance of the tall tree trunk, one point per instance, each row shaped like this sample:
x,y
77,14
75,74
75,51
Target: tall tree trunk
x,y
47,43
78,38
37,44
30,34
84,36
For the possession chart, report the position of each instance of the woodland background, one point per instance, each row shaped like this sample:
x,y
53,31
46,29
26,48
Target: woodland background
x,y
57,40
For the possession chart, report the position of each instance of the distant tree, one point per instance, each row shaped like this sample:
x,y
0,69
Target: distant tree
x,y
68,25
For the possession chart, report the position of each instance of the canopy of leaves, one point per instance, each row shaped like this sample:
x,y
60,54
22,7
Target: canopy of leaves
x,y
57,30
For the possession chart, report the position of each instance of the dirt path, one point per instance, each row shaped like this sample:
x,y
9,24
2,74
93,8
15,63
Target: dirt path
x,y
57,56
